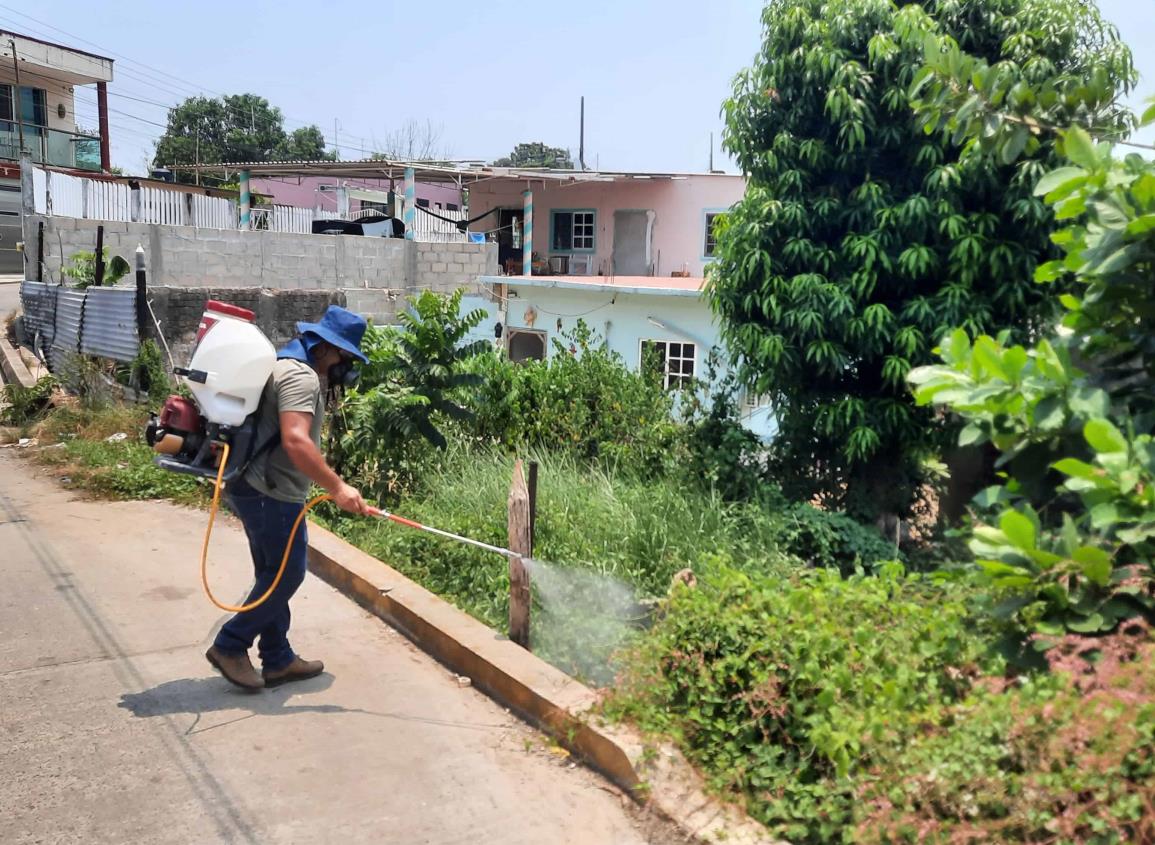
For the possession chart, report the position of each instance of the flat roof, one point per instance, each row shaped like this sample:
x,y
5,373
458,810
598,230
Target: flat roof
x,y
458,173
10,32
652,285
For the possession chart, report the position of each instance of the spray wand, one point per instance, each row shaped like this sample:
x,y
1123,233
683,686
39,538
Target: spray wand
x,y
378,512
400,520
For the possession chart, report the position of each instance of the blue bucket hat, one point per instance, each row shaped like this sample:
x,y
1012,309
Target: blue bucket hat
x,y
340,327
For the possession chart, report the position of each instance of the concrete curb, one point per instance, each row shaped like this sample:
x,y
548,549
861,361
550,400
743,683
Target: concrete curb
x,y
536,691
12,366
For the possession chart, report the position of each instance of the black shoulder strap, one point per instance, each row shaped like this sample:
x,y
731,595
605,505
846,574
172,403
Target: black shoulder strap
x,y
271,442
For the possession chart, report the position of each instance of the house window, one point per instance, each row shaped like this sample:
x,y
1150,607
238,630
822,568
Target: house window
x,y
423,203
452,206
752,401
33,107
711,241
526,345
675,361
573,231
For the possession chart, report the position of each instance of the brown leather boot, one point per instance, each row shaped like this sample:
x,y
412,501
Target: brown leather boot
x,y
237,669
298,670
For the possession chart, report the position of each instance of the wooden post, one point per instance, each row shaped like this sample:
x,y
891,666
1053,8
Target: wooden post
x,y
98,270
532,507
519,542
102,117
143,324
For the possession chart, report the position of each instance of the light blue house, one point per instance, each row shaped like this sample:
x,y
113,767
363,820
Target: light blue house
x,y
669,315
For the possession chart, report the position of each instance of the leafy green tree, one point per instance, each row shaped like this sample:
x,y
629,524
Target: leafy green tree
x,y
864,237
1069,534
537,154
406,391
243,127
304,144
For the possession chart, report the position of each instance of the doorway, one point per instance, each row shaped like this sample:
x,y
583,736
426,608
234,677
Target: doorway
x,y
632,231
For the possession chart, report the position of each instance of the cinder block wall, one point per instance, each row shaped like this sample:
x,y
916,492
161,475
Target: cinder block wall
x,y
185,256
178,311
447,267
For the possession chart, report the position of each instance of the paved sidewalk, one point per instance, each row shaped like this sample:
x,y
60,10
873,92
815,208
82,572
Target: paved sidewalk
x,y
115,729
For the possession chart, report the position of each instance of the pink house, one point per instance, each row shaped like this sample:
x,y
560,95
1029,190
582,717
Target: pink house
x,y
605,224
321,192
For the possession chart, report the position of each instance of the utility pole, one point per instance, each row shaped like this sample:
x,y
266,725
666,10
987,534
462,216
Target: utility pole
x,y
197,129
16,111
336,146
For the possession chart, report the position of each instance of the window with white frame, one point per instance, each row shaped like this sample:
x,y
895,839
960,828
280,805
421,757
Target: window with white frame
x,y
711,240
573,231
752,401
674,360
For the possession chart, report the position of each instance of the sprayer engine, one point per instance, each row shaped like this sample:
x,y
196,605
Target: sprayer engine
x,y
230,365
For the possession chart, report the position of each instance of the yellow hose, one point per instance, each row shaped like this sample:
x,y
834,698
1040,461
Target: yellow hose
x,y
241,608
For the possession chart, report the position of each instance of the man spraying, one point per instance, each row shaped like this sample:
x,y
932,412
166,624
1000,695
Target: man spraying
x,y
271,494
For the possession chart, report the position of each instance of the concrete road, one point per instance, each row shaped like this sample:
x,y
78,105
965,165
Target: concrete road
x,y
115,729
9,295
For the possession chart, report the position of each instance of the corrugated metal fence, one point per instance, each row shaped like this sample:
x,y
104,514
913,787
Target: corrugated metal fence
x,y
96,321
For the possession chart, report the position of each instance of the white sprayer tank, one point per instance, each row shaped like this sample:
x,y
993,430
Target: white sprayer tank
x,y
236,359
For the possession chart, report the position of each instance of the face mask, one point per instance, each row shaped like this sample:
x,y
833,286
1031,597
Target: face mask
x,y
343,375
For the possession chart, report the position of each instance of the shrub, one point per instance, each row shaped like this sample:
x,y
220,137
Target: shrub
x,y
586,403
785,690
22,406
832,539
381,432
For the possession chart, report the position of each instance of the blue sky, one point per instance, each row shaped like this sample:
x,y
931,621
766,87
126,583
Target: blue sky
x,y
654,72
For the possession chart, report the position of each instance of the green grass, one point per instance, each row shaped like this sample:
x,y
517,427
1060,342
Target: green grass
x,y
589,522
73,442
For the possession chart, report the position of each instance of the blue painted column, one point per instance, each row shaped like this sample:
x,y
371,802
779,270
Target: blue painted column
x,y
527,233
410,210
246,201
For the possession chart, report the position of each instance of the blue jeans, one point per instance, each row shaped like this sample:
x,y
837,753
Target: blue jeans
x,y
267,522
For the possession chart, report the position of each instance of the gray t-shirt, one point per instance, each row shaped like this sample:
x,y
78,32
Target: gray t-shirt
x,y
293,386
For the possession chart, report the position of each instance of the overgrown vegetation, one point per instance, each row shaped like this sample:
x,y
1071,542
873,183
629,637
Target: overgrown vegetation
x,y
84,444
82,270
870,709
21,406
905,185
862,239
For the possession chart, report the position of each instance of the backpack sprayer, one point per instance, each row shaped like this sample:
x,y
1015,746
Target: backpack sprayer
x,y
213,435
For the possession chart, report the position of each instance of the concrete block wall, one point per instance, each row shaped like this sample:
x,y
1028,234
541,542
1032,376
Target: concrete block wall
x,y
447,267
191,257
178,311
374,304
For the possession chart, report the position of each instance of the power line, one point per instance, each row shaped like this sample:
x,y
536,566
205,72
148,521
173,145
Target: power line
x,y
236,110
198,89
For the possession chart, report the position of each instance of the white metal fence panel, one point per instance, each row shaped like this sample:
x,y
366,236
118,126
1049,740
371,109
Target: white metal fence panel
x,y
67,194
436,230
289,219
108,201
165,207
213,212
39,190
109,328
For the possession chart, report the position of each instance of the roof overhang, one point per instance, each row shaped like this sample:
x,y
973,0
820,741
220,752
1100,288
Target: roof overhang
x,y
456,173
645,285
47,60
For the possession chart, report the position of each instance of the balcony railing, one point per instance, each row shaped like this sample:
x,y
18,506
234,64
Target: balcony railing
x,y
50,146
